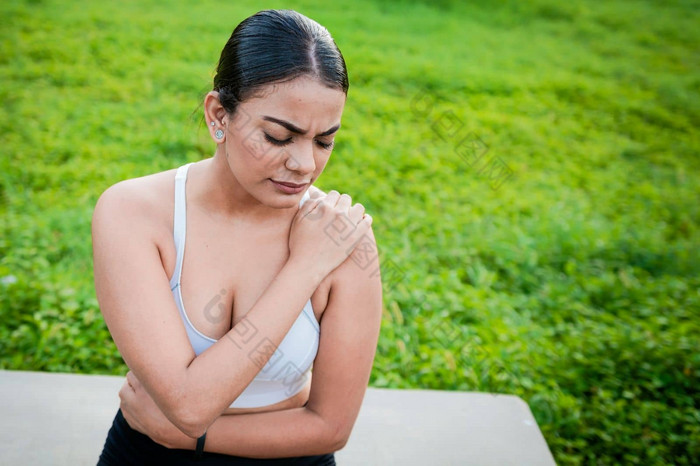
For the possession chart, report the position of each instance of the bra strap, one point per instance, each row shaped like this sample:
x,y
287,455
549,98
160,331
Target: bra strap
x,y
304,198
179,221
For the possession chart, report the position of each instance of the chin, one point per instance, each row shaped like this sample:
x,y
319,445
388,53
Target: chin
x,y
286,202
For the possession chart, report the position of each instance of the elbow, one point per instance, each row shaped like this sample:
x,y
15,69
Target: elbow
x,y
183,411
333,432
190,423
338,444
340,436
192,429
189,414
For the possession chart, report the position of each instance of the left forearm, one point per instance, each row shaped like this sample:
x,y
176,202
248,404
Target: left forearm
x,y
274,434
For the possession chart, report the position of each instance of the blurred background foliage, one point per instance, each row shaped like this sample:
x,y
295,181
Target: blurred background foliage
x,y
532,169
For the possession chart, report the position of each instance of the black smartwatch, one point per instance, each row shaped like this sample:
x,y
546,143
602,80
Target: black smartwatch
x,y
199,452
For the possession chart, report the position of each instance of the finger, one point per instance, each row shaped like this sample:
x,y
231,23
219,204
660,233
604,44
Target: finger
x,y
314,210
311,204
332,198
361,230
356,213
315,194
133,381
365,223
344,201
126,393
131,378
127,416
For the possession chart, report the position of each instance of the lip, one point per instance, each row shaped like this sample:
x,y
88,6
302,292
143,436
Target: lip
x,y
288,188
291,185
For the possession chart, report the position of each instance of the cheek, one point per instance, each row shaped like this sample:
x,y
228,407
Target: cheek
x,y
246,157
274,165
252,147
322,161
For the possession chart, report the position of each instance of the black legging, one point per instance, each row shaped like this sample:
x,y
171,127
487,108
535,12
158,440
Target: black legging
x,y
126,446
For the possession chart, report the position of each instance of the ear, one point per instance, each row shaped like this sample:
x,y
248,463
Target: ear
x,y
215,113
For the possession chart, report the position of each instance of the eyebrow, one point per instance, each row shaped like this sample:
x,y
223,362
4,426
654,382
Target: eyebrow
x,y
296,129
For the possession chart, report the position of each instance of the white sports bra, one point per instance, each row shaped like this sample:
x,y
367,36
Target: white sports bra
x,y
288,369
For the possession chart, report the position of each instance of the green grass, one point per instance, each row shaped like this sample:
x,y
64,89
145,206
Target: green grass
x,y
573,284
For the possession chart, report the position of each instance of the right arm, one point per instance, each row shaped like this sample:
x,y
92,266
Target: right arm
x,y
136,301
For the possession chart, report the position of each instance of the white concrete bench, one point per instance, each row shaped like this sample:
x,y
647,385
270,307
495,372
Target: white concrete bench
x,y
63,419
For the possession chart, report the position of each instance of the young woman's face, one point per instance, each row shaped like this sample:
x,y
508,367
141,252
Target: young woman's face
x,y
285,135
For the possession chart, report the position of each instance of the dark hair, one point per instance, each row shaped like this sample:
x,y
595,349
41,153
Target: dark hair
x,y
275,46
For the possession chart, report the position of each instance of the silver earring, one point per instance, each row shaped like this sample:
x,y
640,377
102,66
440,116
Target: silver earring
x,y
212,123
219,134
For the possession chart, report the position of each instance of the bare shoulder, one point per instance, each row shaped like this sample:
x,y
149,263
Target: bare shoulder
x,y
361,267
143,201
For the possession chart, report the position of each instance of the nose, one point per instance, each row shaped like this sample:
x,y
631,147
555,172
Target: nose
x,y
301,159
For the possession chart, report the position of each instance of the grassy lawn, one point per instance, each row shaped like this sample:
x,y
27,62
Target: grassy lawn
x,y
532,168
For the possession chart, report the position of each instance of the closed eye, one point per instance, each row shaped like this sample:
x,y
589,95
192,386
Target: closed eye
x,y
284,142
325,145
277,142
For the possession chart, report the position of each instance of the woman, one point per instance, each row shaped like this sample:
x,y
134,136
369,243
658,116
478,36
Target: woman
x,y
220,335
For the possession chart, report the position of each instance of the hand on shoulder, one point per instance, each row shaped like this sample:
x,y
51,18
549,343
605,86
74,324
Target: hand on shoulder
x,y
363,261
